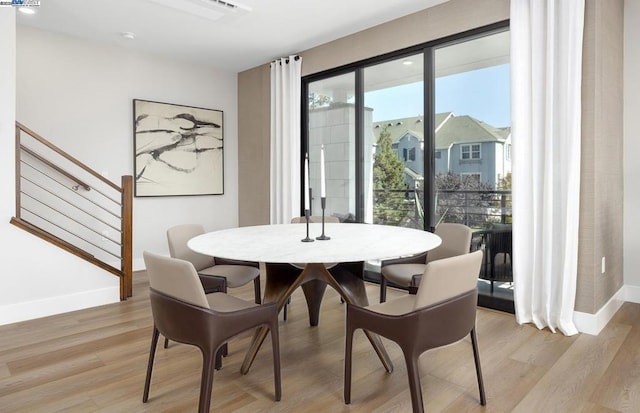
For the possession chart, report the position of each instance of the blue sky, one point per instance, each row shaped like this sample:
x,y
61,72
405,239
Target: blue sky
x,y
482,94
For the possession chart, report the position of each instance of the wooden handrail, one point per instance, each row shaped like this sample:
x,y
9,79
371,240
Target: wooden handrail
x,y
66,155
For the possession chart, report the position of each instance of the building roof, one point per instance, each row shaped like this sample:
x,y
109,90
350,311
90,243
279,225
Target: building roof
x,y
450,129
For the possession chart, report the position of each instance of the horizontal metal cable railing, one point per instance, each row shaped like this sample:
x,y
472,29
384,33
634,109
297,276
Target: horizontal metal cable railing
x,y
63,201
487,212
476,209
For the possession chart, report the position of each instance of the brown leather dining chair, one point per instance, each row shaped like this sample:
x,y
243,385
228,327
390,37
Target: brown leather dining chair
x,y
406,272
442,312
182,312
214,273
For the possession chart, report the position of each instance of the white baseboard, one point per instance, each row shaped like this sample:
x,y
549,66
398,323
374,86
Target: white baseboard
x,y
632,294
138,264
14,313
594,323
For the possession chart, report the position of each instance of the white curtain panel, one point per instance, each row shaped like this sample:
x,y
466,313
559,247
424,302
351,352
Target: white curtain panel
x,y
546,77
285,139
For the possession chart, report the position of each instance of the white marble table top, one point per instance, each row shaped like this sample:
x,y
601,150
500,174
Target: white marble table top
x,y
281,243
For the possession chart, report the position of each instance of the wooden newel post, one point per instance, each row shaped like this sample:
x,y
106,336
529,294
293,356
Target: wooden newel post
x,y
126,284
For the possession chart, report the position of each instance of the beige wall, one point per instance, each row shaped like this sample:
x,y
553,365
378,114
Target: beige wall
x,y
601,210
601,200
253,146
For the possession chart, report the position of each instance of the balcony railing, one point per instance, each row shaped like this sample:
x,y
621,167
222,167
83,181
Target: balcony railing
x,y
488,213
476,209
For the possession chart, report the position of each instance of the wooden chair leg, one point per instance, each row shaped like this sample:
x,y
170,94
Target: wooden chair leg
x,y
414,383
152,353
166,342
383,289
476,358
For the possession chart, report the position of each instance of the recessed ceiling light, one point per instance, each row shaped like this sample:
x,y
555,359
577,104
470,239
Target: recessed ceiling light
x,y
128,35
407,63
27,10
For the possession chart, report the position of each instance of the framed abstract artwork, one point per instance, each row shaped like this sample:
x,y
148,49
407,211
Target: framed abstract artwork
x,y
178,150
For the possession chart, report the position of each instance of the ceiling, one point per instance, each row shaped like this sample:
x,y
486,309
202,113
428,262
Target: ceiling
x,y
205,32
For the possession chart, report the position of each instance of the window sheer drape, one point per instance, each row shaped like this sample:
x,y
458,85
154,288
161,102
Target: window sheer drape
x,y
546,64
285,139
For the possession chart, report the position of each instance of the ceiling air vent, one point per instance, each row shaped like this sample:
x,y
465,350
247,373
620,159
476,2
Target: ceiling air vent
x,y
228,5
208,9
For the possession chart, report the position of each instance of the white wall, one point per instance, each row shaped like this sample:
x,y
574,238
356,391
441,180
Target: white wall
x,y
631,147
79,95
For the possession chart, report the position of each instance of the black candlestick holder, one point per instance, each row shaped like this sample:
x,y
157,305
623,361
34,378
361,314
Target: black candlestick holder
x,y
306,215
323,204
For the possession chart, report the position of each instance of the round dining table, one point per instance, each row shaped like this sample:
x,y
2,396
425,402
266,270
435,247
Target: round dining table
x,y
337,261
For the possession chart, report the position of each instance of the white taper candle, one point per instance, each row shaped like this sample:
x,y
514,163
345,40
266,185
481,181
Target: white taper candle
x,y
323,188
306,182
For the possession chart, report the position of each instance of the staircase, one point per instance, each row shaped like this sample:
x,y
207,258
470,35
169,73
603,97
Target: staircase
x,y
68,204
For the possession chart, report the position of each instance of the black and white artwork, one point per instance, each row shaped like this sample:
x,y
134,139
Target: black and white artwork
x,y
178,150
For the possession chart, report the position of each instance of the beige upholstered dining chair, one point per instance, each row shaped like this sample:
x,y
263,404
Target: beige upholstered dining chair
x,y
406,272
213,272
442,312
182,312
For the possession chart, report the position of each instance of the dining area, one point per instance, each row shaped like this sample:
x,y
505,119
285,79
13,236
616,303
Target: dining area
x,y
440,313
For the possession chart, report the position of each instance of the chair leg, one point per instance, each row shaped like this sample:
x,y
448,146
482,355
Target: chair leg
x,y
206,382
152,353
166,342
414,382
383,289
256,290
284,310
476,358
275,346
219,355
348,362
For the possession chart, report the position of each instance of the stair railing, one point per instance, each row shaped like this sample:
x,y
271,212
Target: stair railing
x,y
68,204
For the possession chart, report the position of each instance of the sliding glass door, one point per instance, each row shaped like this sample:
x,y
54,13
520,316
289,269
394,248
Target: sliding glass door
x,y
418,137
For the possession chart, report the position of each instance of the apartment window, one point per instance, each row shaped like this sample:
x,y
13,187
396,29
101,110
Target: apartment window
x,y
469,152
412,154
468,177
438,154
404,154
507,150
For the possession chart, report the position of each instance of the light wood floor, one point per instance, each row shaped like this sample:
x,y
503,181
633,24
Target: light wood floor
x,y
94,361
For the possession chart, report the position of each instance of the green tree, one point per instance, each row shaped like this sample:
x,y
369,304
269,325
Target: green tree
x,y
388,181
505,183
